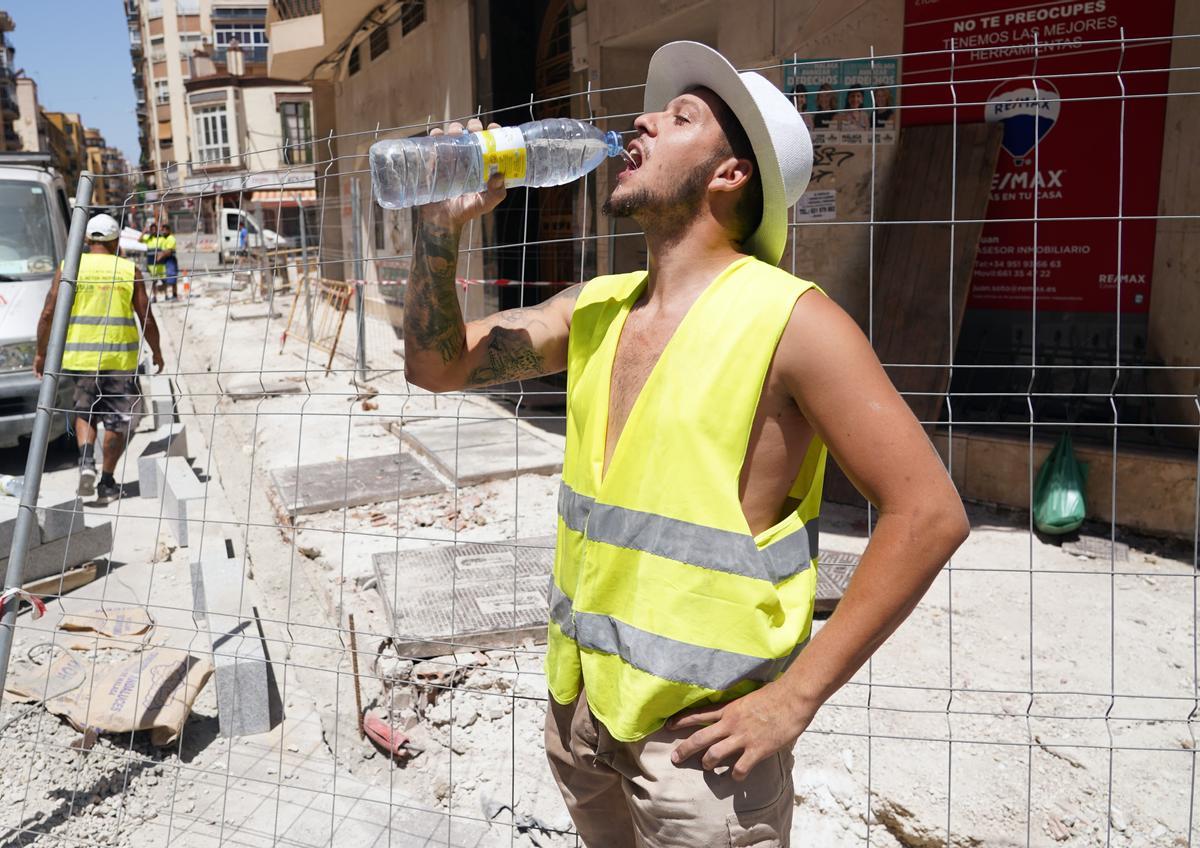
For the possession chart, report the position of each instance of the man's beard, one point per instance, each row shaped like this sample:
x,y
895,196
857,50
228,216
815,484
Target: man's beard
x,y
670,210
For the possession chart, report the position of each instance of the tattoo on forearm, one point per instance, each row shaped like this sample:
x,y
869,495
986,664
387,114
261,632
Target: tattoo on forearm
x,y
510,356
432,317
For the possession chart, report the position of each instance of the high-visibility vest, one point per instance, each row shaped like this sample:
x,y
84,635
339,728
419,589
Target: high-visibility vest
x,y
662,598
154,244
102,334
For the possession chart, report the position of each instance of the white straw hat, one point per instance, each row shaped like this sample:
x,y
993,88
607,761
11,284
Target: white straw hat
x,y
776,131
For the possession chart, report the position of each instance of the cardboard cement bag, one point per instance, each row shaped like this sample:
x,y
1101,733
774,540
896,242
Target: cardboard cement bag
x,y
151,690
122,628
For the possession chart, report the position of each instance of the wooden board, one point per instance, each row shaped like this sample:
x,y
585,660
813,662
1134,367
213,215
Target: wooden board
x,y
920,287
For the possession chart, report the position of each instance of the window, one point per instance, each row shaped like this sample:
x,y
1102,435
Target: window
x,y
412,15
25,231
296,118
187,7
255,12
250,35
379,42
212,135
162,93
354,65
188,42
158,53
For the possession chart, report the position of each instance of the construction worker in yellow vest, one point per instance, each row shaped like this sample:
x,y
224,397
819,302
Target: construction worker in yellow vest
x,y
101,352
704,394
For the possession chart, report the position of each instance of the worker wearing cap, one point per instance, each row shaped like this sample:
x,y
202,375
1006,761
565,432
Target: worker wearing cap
x,y
101,351
704,394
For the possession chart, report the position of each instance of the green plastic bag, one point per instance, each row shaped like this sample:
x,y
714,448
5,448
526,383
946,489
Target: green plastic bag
x,y
1058,500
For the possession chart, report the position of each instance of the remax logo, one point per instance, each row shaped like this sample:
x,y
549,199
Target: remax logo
x,y
1028,109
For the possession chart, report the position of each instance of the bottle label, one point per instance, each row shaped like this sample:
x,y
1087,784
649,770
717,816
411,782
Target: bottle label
x,y
504,153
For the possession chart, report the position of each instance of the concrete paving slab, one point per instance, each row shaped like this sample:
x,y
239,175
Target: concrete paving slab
x,y
471,452
1097,547
54,521
65,553
247,696
248,387
160,399
481,595
183,497
170,440
338,485
60,519
251,311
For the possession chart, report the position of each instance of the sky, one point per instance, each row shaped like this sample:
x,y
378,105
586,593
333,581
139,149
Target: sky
x,y
78,53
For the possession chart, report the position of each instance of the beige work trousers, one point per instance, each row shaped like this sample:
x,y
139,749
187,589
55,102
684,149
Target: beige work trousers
x,y
630,794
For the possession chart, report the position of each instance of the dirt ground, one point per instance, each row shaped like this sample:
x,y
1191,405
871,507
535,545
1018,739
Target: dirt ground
x,y
1034,697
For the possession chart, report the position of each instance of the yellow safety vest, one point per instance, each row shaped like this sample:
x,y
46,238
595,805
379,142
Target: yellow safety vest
x,y
102,334
662,598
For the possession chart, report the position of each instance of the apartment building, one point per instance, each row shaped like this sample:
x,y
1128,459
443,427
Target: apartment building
x,y
10,139
218,131
164,35
67,145
31,123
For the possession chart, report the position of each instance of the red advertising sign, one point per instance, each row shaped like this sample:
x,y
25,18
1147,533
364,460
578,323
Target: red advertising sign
x,y
1080,131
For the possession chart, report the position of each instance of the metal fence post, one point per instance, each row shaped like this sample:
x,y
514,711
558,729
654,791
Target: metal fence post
x,y
360,295
26,524
304,280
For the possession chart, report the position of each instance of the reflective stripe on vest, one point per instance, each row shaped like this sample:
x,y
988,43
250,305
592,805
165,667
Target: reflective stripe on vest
x,y
102,334
661,597
701,546
710,668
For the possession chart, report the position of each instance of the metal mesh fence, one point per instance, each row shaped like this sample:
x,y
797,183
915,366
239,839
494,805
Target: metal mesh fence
x,y
316,616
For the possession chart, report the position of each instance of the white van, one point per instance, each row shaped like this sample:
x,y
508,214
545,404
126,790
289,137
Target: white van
x,y
257,236
34,218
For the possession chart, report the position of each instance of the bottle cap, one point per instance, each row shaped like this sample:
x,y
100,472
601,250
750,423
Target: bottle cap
x,y
613,139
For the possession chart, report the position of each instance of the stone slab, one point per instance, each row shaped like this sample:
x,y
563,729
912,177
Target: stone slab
x,y
249,387
339,485
471,452
479,595
1097,547
167,441
54,522
834,570
9,507
252,311
160,396
247,698
182,495
66,553
60,519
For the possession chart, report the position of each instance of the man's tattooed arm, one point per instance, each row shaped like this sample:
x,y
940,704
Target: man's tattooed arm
x,y
444,354
433,325
523,343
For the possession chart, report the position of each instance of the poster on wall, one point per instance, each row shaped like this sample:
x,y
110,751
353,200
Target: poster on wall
x,y
841,100
1081,145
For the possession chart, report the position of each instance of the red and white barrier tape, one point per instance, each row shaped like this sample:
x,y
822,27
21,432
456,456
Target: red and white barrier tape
x,y
39,606
465,281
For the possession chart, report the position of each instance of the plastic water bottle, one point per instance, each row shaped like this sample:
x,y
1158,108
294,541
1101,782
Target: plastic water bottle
x,y
11,485
416,171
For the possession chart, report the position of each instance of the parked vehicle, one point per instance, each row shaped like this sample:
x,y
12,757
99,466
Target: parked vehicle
x,y
257,237
34,218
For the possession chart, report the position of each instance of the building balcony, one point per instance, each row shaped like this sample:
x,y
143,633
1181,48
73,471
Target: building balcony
x,y
287,10
257,53
302,33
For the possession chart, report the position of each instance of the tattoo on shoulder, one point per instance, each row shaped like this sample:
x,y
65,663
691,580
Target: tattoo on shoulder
x,y
510,356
